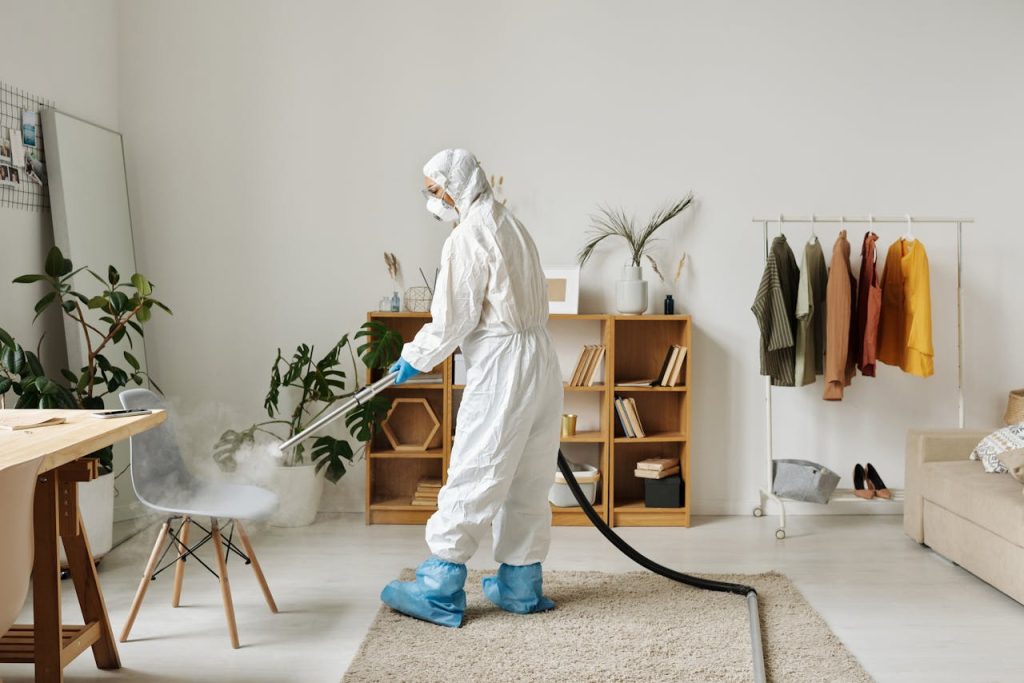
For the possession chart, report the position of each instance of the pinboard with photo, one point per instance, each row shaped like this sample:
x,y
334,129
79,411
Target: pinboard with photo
x,y
22,157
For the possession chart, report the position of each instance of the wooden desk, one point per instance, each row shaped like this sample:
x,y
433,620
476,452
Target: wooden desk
x,y
49,643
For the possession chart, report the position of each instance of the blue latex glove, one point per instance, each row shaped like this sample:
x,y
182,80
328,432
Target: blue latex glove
x,y
404,369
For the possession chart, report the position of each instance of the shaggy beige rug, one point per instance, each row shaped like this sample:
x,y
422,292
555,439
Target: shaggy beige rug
x,y
611,627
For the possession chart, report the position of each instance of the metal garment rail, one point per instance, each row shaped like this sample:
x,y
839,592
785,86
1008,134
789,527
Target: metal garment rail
x,y
910,222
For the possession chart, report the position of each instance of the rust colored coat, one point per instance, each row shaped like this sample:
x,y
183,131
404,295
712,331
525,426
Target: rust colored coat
x,y
869,306
840,300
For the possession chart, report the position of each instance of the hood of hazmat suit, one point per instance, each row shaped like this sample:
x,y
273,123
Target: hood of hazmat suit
x,y
491,300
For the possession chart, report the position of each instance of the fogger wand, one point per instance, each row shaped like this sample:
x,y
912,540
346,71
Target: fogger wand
x,y
358,399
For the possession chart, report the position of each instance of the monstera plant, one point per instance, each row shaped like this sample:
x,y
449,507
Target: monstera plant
x,y
115,313
312,386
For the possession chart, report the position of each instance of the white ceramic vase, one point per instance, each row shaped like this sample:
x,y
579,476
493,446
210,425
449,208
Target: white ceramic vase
x,y
298,490
96,501
631,291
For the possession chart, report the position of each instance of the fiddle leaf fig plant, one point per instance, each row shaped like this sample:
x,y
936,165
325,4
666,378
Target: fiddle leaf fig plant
x,y
118,312
316,385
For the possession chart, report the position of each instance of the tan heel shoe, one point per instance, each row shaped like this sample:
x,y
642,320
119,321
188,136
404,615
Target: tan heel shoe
x,y
859,488
876,484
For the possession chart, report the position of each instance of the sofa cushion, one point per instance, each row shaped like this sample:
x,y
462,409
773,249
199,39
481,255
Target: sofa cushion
x,y
992,501
1013,461
1001,441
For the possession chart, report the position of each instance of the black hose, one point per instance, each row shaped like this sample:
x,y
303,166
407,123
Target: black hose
x,y
631,553
757,649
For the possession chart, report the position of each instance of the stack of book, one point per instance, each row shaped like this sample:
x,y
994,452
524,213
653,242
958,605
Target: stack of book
x,y
585,374
625,408
672,368
426,492
657,468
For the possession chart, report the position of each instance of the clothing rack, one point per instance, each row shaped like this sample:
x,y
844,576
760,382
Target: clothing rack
x,y
848,495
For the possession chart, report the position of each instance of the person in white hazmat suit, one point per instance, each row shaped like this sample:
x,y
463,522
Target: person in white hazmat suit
x,y
490,300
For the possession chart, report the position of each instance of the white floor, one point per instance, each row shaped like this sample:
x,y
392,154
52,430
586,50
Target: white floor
x,y
904,612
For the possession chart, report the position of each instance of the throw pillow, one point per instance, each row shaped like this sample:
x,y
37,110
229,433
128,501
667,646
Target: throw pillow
x,y
989,449
1013,461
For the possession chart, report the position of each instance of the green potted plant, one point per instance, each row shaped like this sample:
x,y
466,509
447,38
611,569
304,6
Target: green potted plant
x,y
302,388
113,315
631,290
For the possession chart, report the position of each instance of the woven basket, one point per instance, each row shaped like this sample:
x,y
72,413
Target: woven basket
x,y
418,299
1014,407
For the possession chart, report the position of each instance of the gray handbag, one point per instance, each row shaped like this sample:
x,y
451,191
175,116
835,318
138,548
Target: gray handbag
x,y
804,481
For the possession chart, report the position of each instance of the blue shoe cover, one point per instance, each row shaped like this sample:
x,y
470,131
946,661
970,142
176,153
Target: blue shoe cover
x,y
436,595
518,589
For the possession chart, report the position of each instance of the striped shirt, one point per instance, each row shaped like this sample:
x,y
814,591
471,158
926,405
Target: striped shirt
x,y
775,310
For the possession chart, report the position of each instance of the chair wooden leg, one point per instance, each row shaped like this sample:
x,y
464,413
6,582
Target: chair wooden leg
x,y
147,576
179,567
225,587
256,567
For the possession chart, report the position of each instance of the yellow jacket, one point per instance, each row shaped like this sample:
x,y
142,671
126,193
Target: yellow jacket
x,y
905,324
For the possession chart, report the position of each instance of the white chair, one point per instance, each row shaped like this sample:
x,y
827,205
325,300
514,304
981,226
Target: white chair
x,y
17,492
164,483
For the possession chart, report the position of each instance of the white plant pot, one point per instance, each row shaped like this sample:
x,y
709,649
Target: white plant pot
x,y
96,501
298,490
631,291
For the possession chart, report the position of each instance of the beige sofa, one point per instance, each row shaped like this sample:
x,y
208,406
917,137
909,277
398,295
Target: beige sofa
x,y
969,516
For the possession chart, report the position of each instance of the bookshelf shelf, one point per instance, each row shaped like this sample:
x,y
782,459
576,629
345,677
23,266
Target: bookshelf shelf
x,y
401,504
586,437
639,506
657,437
629,390
595,388
635,347
399,455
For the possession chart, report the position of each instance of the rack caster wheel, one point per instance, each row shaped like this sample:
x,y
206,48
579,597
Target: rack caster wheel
x,y
780,534
758,512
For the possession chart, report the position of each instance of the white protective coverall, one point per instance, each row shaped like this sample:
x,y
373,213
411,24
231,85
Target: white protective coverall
x,y
491,299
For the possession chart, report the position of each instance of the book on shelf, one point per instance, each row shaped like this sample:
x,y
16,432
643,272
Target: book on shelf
x,y
656,474
595,364
585,373
658,381
629,418
671,368
424,503
620,411
677,369
657,464
638,382
634,417
580,362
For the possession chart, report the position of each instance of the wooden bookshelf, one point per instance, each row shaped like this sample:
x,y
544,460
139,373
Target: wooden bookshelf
x,y
635,347
392,475
638,347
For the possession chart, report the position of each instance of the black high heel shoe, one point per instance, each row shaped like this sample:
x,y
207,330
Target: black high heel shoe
x,y
860,489
876,484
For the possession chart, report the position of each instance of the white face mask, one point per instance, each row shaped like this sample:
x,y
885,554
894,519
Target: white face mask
x,y
442,210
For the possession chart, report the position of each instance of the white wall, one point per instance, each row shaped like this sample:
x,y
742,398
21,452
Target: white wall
x,y
275,149
64,51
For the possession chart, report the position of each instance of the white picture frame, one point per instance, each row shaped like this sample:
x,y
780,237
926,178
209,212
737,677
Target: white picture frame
x,y
563,284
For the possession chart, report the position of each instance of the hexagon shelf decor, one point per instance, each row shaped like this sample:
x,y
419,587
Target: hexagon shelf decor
x,y
411,424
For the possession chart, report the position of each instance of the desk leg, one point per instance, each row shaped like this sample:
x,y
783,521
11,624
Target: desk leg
x,y
83,573
46,582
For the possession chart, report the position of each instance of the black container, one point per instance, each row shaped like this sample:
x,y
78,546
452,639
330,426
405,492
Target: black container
x,y
664,493
670,305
